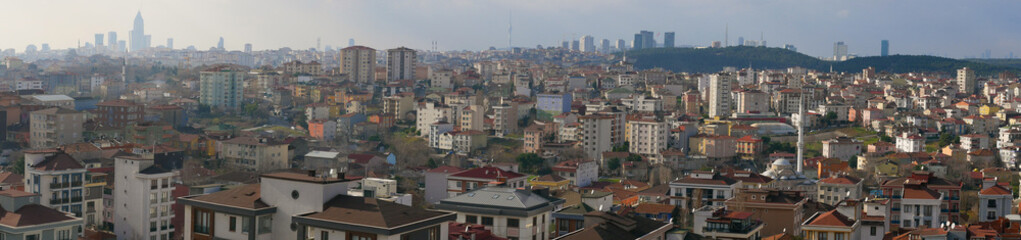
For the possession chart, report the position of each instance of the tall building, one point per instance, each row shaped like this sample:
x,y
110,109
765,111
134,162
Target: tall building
x,y
138,39
119,113
111,38
884,49
170,43
400,64
637,43
143,199
222,87
99,40
839,51
565,44
965,80
647,39
621,45
588,44
740,41
359,63
605,46
54,127
219,44
719,94
351,42
668,39
248,48
575,45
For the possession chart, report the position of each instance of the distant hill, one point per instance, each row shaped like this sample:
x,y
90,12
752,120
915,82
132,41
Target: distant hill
x,y
714,59
1006,62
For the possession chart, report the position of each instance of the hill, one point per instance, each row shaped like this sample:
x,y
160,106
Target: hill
x,y
714,59
1007,62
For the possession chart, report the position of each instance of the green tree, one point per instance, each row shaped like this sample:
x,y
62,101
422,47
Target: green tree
x,y
853,162
432,163
613,164
17,166
623,147
529,162
947,139
634,158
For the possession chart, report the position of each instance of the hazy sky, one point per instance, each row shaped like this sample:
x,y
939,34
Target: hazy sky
x,y
936,27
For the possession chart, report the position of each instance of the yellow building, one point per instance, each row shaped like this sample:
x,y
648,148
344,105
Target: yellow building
x,y
830,225
988,110
553,182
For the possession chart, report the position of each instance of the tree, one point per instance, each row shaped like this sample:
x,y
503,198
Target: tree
x,y
529,162
947,139
634,158
829,118
17,166
432,163
613,164
853,162
623,147
884,137
676,214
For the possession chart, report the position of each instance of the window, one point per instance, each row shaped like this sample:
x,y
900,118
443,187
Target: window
x,y
245,225
820,236
265,224
232,226
992,203
201,222
513,223
324,235
838,236
991,215
487,221
471,219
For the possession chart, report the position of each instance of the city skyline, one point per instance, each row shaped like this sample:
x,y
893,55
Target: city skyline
x,y
914,27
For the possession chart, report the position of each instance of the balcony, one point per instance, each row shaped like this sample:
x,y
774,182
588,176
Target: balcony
x,y
58,201
76,199
76,183
59,185
944,210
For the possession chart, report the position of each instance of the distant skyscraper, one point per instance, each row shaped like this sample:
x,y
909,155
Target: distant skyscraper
x,y
637,43
566,44
170,43
359,63
111,38
139,40
719,94
575,45
884,49
45,47
740,41
648,40
248,48
965,81
400,64
99,40
219,45
839,51
588,44
605,46
351,42
668,39
122,46
621,45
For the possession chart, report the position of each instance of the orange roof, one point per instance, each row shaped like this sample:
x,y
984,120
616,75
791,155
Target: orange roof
x,y
831,218
995,190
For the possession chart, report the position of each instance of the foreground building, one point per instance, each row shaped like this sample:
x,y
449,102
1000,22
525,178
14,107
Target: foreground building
x,y
142,200
24,218
511,213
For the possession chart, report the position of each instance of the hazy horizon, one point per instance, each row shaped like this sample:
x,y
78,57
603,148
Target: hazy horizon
x,y
956,29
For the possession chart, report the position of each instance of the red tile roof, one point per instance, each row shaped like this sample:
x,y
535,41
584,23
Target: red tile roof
x,y
491,173
831,218
995,190
58,162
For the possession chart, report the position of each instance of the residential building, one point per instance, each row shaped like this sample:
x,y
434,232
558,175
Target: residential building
x,y
436,183
312,68
468,180
752,101
994,200
53,100
253,154
25,218
649,136
581,173
359,63
222,87
551,182
289,205
718,223
54,127
842,148
472,118
596,134
57,177
399,105
552,104
400,64
323,130
831,225
931,197
605,226
783,210
966,81
505,118
838,188
719,94
718,147
142,200
429,113
910,143
702,188
507,211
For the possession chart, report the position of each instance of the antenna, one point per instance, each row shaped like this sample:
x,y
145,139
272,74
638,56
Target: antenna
x,y
726,35
510,29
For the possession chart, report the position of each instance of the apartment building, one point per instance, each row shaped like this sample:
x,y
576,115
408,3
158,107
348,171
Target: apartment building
x,y
702,188
222,87
253,154
57,177
119,113
54,127
507,211
649,136
359,63
468,180
25,218
142,198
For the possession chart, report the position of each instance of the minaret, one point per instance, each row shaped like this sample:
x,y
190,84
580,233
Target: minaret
x,y
801,133
124,70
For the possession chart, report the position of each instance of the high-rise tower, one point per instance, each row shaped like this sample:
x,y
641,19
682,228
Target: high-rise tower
x,y
138,39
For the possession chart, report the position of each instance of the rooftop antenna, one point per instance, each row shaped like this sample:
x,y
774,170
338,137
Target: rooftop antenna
x,y
726,35
510,28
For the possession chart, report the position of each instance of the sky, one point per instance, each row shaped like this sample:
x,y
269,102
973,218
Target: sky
x,y
956,29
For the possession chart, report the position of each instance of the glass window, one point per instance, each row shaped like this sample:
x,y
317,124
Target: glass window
x,y
471,219
821,236
265,224
245,225
232,225
487,221
513,223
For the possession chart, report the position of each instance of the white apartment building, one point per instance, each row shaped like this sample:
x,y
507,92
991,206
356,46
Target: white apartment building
x,y
254,154
994,200
595,134
709,187
966,80
910,143
582,173
429,113
57,177
919,208
400,64
719,94
26,219
436,131
649,136
841,147
505,118
835,188
142,199
507,212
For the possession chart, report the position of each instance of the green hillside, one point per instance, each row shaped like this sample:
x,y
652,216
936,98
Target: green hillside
x,y
714,59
